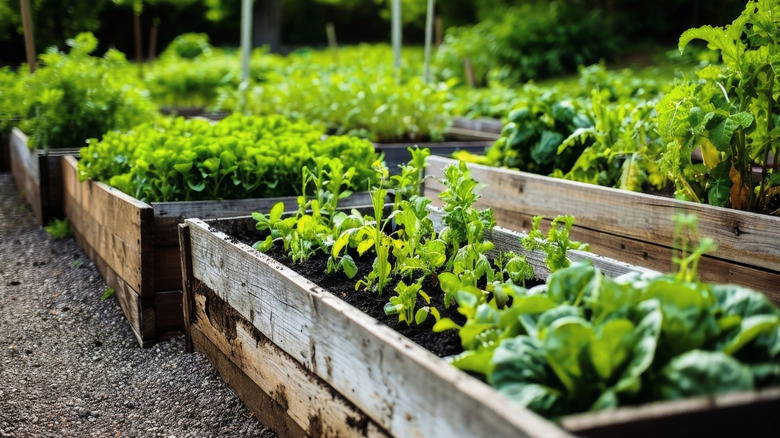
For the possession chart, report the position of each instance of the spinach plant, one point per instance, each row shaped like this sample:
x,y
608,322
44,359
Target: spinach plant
x,y
585,342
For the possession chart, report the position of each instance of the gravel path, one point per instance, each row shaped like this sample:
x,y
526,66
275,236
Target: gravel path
x,y
69,364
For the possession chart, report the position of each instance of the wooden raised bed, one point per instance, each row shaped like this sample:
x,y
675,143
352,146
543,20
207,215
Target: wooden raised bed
x,y
289,347
633,227
464,128
38,174
309,364
135,246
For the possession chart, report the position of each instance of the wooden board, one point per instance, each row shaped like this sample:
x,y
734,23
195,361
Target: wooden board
x,y
38,175
136,245
464,128
633,227
305,398
403,388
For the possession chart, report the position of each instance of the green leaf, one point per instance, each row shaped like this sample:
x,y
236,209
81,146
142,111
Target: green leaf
x,y
348,265
699,373
276,212
611,346
721,134
183,168
108,293
421,315
563,344
445,324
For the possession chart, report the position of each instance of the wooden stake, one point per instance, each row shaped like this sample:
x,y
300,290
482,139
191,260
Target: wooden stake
x,y
29,40
330,31
428,37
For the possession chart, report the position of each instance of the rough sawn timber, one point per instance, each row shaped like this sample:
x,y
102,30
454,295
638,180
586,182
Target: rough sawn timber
x,y
406,390
633,227
39,176
135,245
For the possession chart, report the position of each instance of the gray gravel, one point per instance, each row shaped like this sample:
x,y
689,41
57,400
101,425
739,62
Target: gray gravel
x,y
69,364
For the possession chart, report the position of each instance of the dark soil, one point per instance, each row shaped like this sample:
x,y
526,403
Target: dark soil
x,y
315,269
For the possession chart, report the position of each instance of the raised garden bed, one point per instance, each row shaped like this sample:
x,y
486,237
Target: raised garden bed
x,y
464,128
39,176
308,363
633,227
135,246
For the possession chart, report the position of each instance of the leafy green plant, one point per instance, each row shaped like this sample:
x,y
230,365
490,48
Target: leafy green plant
x,y
58,229
585,342
238,157
556,244
730,114
530,41
75,96
405,303
107,294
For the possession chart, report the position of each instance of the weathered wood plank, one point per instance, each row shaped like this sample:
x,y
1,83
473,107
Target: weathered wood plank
x,y
268,411
139,312
38,174
634,227
481,124
367,362
167,268
115,225
24,167
168,215
309,401
712,416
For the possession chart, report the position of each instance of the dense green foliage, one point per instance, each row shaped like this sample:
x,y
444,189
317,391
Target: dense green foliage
x,y
585,342
239,157
352,92
730,114
530,41
75,96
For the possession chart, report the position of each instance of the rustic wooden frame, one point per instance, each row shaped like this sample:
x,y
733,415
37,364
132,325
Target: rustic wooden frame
x,y
135,245
239,299
39,176
633,227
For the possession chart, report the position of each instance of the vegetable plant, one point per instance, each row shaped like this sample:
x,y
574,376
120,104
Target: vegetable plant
x,y
179,159
75,96
730,114
586,342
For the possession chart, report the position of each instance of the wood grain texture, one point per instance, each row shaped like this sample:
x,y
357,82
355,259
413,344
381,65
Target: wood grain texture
x,y
168,215
38,174
24,167
115,225
268,411
314,406
730,415
633,227
405,389
483,124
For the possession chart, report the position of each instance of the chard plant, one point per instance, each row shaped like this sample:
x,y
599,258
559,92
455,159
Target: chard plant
x,y
730,114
